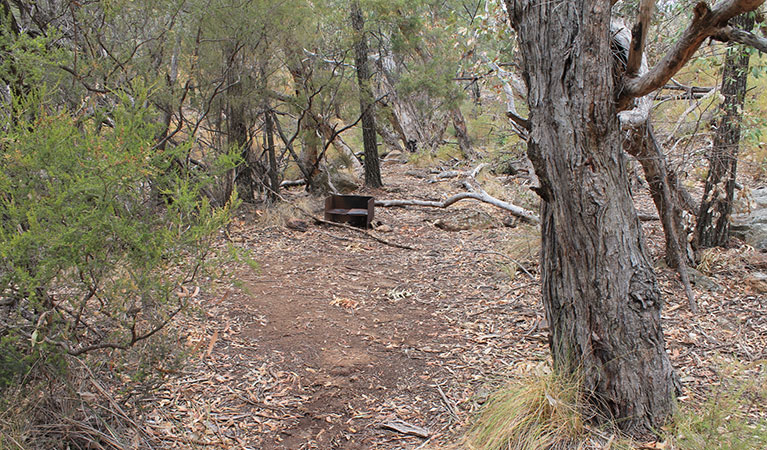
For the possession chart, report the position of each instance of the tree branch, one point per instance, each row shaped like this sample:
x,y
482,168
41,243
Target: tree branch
x,y
706,23
730,34
638,37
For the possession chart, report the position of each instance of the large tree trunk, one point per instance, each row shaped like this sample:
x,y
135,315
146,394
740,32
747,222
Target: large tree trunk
x,y
401,113
713,224
367,101
599,290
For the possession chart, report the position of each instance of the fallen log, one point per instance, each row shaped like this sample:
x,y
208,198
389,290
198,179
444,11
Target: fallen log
x,y
515,210
473,193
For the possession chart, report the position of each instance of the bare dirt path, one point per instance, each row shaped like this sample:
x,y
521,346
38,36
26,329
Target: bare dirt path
x,y
335,335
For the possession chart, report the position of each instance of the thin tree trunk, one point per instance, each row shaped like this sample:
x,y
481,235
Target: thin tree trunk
x,y
713,224
367,101
274,180
273,193
669,197
236,125
310,125
641,144
462,134
599,291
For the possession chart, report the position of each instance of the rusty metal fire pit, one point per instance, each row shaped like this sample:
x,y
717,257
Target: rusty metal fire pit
x,y
355,210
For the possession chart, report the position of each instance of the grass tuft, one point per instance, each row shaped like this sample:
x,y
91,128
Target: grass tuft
x,y
279,214
545,411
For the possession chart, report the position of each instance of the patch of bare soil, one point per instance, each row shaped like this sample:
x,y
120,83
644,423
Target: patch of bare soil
x,y
334,336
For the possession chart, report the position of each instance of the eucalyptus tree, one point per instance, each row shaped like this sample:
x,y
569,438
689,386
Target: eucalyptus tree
x,y
416,66
599,290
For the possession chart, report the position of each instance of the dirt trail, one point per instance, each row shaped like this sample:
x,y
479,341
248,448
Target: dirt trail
x,y
334,334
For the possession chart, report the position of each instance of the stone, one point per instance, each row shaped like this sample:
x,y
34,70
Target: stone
x,y
297,224
344,182
701,281
751,226
396,155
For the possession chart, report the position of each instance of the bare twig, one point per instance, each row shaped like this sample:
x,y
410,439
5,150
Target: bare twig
x,y
450,407
490,252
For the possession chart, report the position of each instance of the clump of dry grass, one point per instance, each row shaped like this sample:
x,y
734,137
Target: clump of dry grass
x,y
279,214
546,411
70,407
524,245
733,416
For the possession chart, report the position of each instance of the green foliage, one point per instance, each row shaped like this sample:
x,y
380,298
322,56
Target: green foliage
x,y
100,230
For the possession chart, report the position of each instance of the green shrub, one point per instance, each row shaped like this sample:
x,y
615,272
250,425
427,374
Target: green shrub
x,y
100,231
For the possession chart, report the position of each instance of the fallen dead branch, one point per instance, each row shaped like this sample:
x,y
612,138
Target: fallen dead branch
x,y
474,193
359,230
518,211
448,174
448,404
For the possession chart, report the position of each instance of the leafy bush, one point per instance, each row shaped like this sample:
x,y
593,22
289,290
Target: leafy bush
x,y
100,231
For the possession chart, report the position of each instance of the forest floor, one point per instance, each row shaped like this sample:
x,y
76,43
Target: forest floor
x,y
333,335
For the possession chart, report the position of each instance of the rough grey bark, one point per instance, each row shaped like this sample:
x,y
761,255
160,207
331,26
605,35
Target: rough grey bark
x,y
600,293
462,133
367,101
713,224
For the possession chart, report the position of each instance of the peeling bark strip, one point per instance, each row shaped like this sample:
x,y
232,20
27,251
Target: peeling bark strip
x,y
599,291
